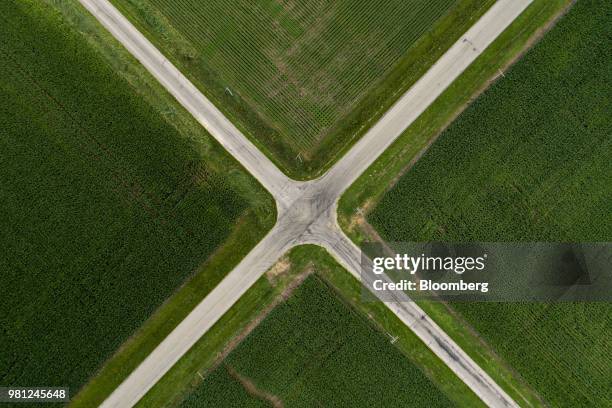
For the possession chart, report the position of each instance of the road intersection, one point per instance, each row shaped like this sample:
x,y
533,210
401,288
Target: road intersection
x,y
306,210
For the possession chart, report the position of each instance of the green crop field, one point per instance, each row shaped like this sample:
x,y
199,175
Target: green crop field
x,y
106,206
315,350
530,160
290,72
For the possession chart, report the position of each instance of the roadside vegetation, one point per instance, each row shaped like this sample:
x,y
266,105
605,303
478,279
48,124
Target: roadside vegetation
x,y
107,205
303,79
313,350
529,160
320,334
361,197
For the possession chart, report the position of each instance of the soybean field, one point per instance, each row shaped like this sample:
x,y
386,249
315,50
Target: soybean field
x,y
530,160
313,350
288,72
106,208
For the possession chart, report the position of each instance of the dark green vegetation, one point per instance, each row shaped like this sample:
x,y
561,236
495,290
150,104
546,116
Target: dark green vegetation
x,y
303,78
313,350
530,160
106,206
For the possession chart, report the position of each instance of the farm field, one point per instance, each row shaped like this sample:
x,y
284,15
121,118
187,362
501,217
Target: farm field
x,y
107,206
292,75
529,160
314,349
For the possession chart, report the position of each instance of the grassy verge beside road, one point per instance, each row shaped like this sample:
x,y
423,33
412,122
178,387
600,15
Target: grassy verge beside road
x,y
321,72
108,204
529,160
191,380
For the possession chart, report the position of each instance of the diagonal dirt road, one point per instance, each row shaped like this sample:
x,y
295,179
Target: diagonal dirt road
x,y
306,210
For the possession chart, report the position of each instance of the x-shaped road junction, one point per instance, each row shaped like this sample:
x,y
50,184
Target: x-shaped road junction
x,y
306,210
